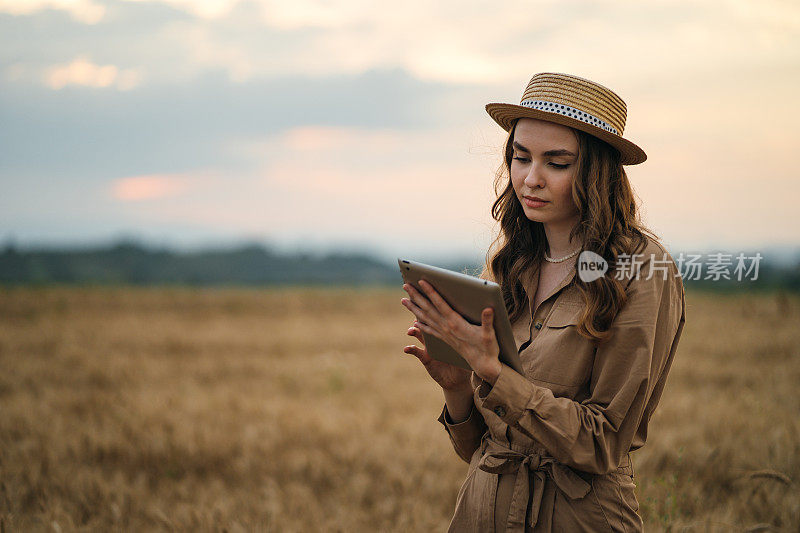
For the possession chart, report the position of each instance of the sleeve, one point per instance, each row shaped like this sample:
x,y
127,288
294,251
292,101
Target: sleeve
x,y
465,436
627,377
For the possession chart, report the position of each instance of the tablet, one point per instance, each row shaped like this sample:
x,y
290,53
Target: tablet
x,y
468,296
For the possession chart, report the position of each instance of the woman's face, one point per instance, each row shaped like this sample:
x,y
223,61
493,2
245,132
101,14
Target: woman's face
x,y
543,166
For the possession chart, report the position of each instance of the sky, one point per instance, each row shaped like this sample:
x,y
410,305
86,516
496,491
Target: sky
x,y
360,125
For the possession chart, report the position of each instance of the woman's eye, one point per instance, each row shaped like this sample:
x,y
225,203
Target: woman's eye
x,y
555,165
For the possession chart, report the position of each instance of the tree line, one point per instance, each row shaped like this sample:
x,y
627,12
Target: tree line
x,y
133,263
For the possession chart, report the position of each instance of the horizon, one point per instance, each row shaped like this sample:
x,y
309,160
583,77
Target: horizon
x,y
780,255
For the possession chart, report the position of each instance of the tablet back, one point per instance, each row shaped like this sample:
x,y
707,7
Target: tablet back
x,y
468,296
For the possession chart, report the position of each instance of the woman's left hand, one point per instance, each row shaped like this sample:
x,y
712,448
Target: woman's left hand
x,y
476,344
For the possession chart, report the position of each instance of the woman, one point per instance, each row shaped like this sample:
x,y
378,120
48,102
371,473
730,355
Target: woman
x,y
549,451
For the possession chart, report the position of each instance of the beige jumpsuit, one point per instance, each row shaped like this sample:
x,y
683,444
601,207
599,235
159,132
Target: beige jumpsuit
x,y
549,451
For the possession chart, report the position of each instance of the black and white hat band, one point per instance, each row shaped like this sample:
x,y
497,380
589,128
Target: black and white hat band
x,y
568,111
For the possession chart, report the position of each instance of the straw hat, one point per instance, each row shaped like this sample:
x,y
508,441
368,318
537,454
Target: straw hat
x,y
575,102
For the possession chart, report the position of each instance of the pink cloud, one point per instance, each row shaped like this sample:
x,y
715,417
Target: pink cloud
x,y
81,71
149,187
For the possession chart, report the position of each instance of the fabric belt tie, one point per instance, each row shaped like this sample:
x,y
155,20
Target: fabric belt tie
x,y
499,459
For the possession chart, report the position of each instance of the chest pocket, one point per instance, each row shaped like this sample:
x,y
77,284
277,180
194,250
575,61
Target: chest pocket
x,y
560,356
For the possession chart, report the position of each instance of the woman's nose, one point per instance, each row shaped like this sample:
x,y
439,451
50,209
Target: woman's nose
x,y
534,178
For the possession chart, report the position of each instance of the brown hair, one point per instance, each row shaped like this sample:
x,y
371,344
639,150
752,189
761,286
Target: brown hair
x,y
609,225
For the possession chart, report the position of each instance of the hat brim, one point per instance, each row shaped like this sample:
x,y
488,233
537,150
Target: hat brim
x,y
505,114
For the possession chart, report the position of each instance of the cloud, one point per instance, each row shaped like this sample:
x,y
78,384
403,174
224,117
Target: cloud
x,y
81,71
206,9
325,184
203,124
328,180
138,188
85,11
445,42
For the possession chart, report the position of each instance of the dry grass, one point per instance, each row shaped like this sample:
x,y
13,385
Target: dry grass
x,y
263,410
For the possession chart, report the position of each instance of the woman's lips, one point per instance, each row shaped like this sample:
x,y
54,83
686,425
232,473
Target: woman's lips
x,y
534,203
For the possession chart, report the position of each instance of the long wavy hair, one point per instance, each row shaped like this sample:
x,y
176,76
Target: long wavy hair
x,y
609,225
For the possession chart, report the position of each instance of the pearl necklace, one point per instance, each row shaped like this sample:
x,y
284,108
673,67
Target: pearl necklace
x,y
551,260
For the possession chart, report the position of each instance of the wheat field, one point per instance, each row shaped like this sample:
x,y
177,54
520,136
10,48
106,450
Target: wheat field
x,y
295,409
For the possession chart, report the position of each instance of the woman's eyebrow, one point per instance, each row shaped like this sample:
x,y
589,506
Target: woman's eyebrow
x,y
560,151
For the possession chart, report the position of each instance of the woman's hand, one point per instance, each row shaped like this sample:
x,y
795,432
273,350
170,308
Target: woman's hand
x,y
476,344
449,377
